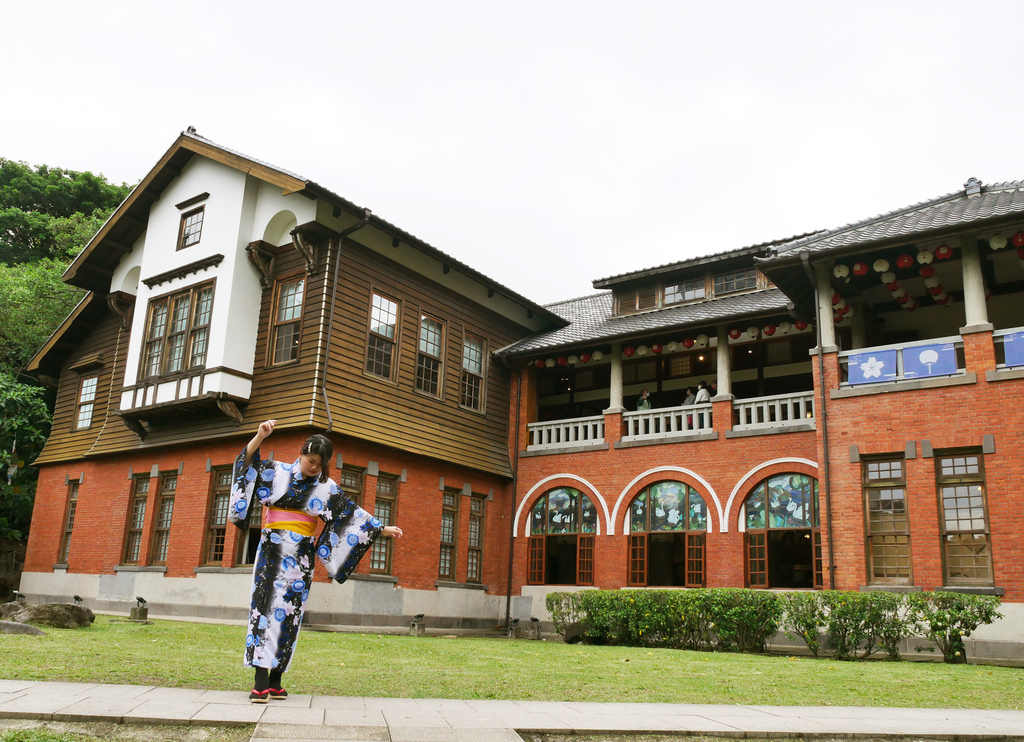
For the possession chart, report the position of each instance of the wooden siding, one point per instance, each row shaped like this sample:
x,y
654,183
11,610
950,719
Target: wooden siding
x,y
393,413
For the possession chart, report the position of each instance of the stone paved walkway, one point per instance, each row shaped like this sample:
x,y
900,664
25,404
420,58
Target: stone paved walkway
x,y
355,719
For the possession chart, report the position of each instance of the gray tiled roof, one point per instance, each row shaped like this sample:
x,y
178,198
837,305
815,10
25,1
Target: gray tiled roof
x,y
952,210
591,319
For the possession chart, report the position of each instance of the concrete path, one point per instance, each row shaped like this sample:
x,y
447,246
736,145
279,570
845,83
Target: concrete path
x,y
353,719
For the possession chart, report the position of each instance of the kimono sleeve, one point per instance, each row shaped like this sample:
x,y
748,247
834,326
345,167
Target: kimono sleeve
x,y
349,533
243,488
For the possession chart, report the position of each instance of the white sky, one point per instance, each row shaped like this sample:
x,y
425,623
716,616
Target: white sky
x,y
546,144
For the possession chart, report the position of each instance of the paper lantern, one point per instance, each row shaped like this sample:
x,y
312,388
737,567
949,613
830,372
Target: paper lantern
x,y
585,357
927,271
892,285
924,257
769,330
701,341
860,269
935,290
903,298
628,351
641,350
881,265
784,328
539,363
598,355
672,347
573,360
688,343
931,281
911,306
735,332
904,261
1018,239
549,362
800,325
944,302
888,277
841,271
898,292
997,242
656,348
836,298
943,252
753,331
561,360
843,310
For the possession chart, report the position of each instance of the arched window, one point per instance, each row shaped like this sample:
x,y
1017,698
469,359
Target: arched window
x,y
667,523
563,522
783,539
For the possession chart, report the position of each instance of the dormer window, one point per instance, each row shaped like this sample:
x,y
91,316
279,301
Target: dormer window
x,y
733,281
178,331
191,228
684,291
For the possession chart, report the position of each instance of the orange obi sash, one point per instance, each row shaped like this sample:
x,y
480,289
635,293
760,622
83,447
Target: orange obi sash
x,y
291,520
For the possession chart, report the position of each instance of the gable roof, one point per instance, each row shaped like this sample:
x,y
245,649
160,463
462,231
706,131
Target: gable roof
x,y
94,266
591,319
975,205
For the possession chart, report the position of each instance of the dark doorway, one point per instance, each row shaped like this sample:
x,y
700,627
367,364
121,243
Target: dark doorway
x,y
790,558
561,560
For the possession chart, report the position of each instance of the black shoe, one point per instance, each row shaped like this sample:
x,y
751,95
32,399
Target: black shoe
x,y
259,696
278,694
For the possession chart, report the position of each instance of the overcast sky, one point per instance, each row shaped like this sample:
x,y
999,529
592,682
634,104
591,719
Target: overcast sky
x,y
546,144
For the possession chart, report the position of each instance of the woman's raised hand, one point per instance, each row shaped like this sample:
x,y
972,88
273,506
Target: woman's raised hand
x,y
266,428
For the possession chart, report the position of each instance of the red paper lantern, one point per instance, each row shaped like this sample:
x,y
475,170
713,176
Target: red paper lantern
x,y
628,351
585,357
893,286
944,301
688,342
927,271
1018,239
911,307
935,290
656,348
860,269
539,363
903,299
836,298
800,324
844,310
905,261
769,330
735,333
943,252
562,360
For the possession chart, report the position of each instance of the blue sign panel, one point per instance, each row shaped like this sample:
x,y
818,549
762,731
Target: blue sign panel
x,y
929,360
872,367
1013,346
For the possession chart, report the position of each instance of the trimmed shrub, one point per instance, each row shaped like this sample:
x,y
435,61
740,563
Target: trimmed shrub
x,y
804,618
946,618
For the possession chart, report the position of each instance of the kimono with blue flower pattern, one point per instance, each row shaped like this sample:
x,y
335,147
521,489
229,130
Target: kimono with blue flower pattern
x,y
284,561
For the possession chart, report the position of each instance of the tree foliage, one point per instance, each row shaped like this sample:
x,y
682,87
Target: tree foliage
x,y
26,424
36,202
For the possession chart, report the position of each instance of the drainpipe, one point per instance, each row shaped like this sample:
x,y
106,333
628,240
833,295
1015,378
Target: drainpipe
x,y
805,259
334,293
512,502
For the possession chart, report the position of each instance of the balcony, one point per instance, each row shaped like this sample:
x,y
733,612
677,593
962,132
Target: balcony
x,y
670,422
923,364
769,413
586,432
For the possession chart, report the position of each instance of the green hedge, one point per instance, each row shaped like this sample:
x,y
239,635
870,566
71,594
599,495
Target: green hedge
x,y
852,624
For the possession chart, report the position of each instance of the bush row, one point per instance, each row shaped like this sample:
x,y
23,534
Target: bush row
x,y
852,624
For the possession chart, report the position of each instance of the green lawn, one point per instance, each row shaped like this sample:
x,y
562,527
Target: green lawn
x,y
198,655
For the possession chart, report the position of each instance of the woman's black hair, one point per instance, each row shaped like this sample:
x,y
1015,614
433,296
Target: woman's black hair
x,y
319,445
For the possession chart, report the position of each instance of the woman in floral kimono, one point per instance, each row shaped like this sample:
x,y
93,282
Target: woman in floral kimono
x,y
296,496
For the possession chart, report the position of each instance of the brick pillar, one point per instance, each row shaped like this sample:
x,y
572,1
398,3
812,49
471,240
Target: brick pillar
x,y
979,351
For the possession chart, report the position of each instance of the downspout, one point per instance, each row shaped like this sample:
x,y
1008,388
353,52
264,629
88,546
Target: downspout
x,y
330,319
805,259
512,503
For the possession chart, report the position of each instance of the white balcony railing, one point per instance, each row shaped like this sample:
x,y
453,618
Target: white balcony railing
x,y
772,412
668,421
577,431
904,362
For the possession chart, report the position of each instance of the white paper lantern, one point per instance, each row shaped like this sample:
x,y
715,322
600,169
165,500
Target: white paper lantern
x,y
597,355
924,257
701,341
881,265
931,282
672,346
898,292
841,271
550,362
641,350
573,360
997,242
785,328
888,277
753,331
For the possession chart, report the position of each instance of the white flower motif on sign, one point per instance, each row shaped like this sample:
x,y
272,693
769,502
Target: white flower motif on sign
x,y
872,367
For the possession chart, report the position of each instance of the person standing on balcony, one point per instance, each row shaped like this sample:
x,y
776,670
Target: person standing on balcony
x,y
690,397
644,402
703,395
297,495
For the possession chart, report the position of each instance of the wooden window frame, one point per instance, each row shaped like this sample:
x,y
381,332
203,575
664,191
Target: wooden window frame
x,y
185,219
979,480
475,539
381,343
877,478
160,541
449,541
70,510
277,326
695,574
382,551
424,359
729,280
192,333
352,492
215,543
136,523
82,402
537,550
467,375
688,284
755,540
